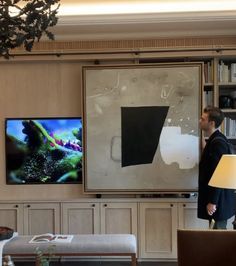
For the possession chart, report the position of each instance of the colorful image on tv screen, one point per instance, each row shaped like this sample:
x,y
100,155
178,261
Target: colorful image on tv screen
x,y
47,150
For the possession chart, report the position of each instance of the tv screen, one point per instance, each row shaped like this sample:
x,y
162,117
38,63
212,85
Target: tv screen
x,y
43,150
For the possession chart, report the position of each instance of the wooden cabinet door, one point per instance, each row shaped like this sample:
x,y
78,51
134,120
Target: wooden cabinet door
x,y
119,218
11,215
188,217
80,218
40,218
157,230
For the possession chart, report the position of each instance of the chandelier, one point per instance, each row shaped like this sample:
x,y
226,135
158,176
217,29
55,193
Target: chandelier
x,y
24,22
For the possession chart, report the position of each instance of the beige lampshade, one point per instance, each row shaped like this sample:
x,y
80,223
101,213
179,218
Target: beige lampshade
x,y
225,173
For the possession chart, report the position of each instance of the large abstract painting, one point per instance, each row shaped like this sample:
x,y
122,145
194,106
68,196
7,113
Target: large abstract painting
x,y
141,129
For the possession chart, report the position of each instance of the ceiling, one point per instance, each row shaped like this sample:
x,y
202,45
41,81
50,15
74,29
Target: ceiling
x,y
92,20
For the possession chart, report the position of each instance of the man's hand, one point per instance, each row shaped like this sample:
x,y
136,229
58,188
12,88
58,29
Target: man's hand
x,y
211,208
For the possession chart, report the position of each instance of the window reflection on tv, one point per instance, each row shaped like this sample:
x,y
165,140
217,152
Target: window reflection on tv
x,y
43,150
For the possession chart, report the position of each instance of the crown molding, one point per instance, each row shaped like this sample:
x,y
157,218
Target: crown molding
x,y
151,25
147,18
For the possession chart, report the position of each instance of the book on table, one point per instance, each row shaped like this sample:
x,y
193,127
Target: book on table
x,y
48,237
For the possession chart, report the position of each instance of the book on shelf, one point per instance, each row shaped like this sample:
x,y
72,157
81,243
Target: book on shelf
x,y
207,98
208,74
228,127
223,72
48,237
233,72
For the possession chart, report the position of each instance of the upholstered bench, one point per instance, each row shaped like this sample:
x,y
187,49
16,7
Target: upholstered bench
x,y
81,245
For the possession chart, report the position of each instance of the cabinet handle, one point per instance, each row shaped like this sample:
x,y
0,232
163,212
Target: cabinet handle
x,y
16,206
184,205
105,205
93,205
28,206
171,205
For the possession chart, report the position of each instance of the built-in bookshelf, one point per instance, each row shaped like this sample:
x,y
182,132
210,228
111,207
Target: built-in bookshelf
x,y
229,127
220,90
208,92
208,73
226,71
208,97
226,92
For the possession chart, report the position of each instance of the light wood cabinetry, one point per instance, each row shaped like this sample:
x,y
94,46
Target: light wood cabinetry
x,y
187,216
99,217
119,218
80,218
154,221
41,218
31,218
157,230
11,215
158,225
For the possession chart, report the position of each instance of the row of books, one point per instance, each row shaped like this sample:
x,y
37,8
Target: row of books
x,y
226,72
208,73
207,98
228,127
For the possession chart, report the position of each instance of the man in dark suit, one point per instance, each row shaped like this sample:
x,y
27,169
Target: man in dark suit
x,y
213,203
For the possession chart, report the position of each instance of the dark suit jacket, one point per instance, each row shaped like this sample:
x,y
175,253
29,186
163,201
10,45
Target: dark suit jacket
x,y
223,198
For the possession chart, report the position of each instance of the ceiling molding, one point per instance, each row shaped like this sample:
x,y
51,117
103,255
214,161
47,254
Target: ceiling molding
x,y
127,26
147,18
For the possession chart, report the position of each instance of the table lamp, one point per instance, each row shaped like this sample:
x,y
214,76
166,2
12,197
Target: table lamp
x,y
224,175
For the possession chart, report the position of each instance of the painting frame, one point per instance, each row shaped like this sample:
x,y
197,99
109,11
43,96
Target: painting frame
x,y
104,103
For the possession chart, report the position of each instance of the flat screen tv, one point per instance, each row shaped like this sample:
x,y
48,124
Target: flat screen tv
x,y
43,150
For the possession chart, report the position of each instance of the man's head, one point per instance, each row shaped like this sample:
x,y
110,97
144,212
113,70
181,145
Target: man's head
x,y
211,118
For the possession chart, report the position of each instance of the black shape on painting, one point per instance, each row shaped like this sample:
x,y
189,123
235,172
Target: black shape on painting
x,y
141,129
